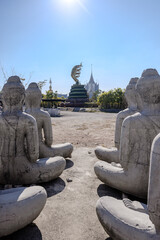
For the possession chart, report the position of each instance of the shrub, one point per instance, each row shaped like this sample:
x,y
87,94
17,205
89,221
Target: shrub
x,y
112,99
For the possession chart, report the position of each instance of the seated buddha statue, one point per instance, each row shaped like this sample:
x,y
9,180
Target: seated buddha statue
x,y
19,207
32,101
112,154
138,131
136,220
19,144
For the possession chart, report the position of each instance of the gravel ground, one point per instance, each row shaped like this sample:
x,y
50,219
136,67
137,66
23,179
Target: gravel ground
x,y
69,213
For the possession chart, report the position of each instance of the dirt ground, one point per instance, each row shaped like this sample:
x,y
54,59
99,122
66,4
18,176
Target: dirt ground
x,y
84,129
69,213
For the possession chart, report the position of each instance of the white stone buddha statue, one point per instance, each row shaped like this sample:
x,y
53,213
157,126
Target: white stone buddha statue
x,y
19,207
132,220
32,101
112,154
19,151
138,131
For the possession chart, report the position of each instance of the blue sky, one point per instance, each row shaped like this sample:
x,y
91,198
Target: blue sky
x,y
46,38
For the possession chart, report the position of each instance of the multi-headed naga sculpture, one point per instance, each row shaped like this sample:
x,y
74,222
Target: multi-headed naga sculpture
x,y
75,73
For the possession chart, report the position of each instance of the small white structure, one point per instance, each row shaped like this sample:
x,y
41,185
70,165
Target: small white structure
x,y
91,86
54,112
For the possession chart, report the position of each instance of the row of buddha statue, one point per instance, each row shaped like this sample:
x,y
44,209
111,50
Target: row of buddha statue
x,y
133,165
26,155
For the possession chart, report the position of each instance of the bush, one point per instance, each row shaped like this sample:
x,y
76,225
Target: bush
x,y
91,105
112,99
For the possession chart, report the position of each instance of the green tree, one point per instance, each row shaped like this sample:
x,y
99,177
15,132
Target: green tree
x,y
55,95
112,99
95,96
49,94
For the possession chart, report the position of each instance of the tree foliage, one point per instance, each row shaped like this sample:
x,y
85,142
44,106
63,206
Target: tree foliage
x,y
41,84
49,94
112,99
95,96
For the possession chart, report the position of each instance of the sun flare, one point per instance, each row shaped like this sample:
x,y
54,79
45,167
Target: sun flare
x,y
69,1
72,3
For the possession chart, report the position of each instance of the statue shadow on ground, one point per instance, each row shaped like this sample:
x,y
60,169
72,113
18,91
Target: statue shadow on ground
x,y
54,187
69,164
104,190
27,233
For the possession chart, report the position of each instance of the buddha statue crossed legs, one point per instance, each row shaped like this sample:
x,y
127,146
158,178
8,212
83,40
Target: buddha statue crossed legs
x,y
19,207
133,220
19,148
138,132
112,154
32,102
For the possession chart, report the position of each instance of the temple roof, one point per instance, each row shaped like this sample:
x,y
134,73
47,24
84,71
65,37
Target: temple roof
x,y
91,79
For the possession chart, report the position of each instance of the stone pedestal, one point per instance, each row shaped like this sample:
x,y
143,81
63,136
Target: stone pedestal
x,y
77,96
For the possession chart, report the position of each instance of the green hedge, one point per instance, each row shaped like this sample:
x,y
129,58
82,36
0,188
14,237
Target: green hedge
x,y
112,99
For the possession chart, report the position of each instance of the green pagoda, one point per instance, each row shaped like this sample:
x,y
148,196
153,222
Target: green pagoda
x,y
78,94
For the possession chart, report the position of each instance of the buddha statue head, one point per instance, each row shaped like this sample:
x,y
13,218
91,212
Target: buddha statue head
x,y
130,94
148,88
13,94
33,96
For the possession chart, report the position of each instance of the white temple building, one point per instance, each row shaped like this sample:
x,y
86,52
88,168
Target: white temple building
x,y
91,86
